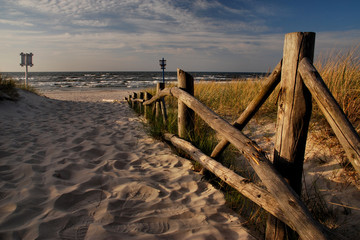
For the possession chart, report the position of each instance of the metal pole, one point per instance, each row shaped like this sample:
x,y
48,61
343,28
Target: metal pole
x,y
163,75
162,63
26,75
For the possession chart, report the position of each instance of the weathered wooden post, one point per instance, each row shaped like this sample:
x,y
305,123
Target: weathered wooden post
x,y
163,110
141,96
147,97
159,87
185,114
134,100
294,111
130,101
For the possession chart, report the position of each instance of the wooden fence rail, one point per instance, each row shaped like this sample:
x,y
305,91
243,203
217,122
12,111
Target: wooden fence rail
x,y
333,113
288,200
248,189
280,198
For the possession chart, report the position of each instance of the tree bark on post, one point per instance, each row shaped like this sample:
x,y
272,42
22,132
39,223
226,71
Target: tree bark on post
x,y
185,114
294,111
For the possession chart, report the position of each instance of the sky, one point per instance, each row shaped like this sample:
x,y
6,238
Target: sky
x,y
194,35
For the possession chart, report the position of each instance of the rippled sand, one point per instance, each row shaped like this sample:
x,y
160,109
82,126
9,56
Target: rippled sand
x,y
85,169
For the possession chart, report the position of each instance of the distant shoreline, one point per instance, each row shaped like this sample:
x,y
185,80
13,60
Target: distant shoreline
x,y
44,81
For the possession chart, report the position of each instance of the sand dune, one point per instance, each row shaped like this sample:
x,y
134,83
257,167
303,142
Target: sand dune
x,y
86,169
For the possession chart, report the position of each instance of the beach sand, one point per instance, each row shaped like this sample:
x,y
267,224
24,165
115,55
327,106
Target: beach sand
x,y
73,166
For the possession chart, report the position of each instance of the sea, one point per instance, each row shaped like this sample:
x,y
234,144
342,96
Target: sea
x,y
50,81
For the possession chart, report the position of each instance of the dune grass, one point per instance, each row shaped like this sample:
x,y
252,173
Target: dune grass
x,y
9,88
341,73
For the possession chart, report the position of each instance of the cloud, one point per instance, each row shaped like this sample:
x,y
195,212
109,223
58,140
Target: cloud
x,y
337,39
91,23
199,30
142,15
16,23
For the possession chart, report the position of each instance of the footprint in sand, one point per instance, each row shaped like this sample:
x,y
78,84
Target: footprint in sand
x,y
71,226
76,200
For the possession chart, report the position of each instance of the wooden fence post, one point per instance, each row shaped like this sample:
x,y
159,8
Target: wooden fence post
x,y
147,97
159,87
130,101
294,111
163,110
185,114
141,96
134,104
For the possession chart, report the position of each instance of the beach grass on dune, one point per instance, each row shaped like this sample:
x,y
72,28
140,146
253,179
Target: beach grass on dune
x,y
339,70
9,88
341,73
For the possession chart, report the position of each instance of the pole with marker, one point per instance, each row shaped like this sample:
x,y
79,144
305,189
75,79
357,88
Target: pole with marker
x,y
162,65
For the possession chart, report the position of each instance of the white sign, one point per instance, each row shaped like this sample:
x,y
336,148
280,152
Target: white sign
x,y
26,60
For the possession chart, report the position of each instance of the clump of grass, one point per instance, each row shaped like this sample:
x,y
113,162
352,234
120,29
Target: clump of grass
x,y
314,200
28,88
8,89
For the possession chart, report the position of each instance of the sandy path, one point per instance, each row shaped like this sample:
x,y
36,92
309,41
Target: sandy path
x,y
87,170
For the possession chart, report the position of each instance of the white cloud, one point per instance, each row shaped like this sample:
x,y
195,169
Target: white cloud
x,y
16,23
337,39
91,23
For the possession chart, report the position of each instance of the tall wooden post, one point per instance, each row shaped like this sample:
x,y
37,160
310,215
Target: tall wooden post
x,y
185,114
294,111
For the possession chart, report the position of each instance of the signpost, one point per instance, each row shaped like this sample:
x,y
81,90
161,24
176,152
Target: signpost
x,y
162,65
26,60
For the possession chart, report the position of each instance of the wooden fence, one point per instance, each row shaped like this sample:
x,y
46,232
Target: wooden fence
x,y
299,81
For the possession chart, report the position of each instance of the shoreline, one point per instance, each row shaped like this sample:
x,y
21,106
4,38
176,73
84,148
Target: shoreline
x,y
89,95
